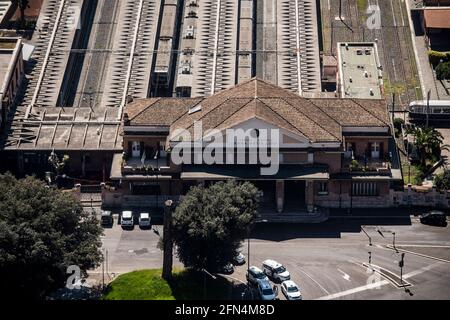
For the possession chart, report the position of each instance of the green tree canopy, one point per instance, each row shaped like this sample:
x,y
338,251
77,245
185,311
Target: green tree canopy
x,y
443,71
42,232
210,223
442,181
428,141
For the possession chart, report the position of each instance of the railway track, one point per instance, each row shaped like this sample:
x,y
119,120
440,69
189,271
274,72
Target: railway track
x,y
129,73
57,26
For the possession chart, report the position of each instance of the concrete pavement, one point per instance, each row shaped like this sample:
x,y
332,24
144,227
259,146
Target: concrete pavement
x,y
325,260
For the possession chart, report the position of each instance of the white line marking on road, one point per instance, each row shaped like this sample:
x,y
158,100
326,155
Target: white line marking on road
x,y
376,284
344,275
421,270
422,246
354,290
418,254
320,286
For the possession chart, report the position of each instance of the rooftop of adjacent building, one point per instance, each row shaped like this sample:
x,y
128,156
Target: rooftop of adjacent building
x,y
360,75
437,18
7,46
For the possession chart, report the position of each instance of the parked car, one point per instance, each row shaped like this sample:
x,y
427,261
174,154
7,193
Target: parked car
x,y
254,274
227,269
144,220
275,271
266,291
291,290
107,218
127,220
239,259
435,218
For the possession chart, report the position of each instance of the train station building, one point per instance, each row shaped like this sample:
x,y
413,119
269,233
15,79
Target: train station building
x,y
330,152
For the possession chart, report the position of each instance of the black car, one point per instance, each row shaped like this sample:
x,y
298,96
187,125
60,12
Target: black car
x,y
227,269
434,218
107,218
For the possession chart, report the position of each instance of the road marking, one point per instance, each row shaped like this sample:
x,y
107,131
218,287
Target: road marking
x,y
354,290
421,270
345,275
421,246
419,254
376,284
320,286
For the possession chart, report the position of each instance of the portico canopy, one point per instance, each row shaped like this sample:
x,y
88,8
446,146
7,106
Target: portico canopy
x,y
249,172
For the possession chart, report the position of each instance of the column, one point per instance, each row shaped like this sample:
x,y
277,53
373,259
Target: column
x,y
309,195
280,195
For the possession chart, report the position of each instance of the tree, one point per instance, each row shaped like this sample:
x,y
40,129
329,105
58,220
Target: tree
x,y
428,142
442,181
22,5
443,71
43,231
210,223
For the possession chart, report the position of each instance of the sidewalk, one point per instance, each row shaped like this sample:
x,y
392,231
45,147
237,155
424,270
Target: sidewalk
x,y
420,51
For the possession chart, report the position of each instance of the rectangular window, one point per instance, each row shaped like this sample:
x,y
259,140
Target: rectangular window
x,y
322,188
365,189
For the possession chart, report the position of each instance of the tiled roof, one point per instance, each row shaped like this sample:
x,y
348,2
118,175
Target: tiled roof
x,y
437,18
319,120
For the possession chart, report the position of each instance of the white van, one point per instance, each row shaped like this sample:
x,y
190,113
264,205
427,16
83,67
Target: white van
x,y
275,271
144,220
127,220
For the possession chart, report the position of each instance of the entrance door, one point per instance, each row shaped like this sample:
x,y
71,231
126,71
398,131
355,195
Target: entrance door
x,y
136,149
294,196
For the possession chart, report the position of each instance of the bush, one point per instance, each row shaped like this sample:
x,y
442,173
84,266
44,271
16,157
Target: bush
x,y
443,71
435,57
442,181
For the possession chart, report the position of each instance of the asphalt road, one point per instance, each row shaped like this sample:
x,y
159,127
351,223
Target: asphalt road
x,y
325,259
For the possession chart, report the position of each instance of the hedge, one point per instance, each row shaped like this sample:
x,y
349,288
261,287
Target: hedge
x,y
435,57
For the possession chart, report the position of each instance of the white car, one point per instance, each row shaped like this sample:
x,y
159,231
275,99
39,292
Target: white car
x,y
144,220
239,259
265,290
275,271
127,220
291,290
254,274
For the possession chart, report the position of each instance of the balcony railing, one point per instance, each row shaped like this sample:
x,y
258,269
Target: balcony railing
x,y
135,165
370,165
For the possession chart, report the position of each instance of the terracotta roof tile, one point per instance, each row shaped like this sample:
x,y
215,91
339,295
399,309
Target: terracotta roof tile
x,y
318,120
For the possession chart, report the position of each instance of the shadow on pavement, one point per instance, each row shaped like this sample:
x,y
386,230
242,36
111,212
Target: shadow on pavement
x,y
339,221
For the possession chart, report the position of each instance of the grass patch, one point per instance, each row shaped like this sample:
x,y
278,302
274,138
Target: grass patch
x,y
412,176
185,285
362,5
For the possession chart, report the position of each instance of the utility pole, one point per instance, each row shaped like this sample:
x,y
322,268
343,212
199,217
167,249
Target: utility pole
x,y
401,264
393,241
103,273
167,241
428,106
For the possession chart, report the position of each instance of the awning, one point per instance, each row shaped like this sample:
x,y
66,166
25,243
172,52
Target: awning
x,y
285,172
